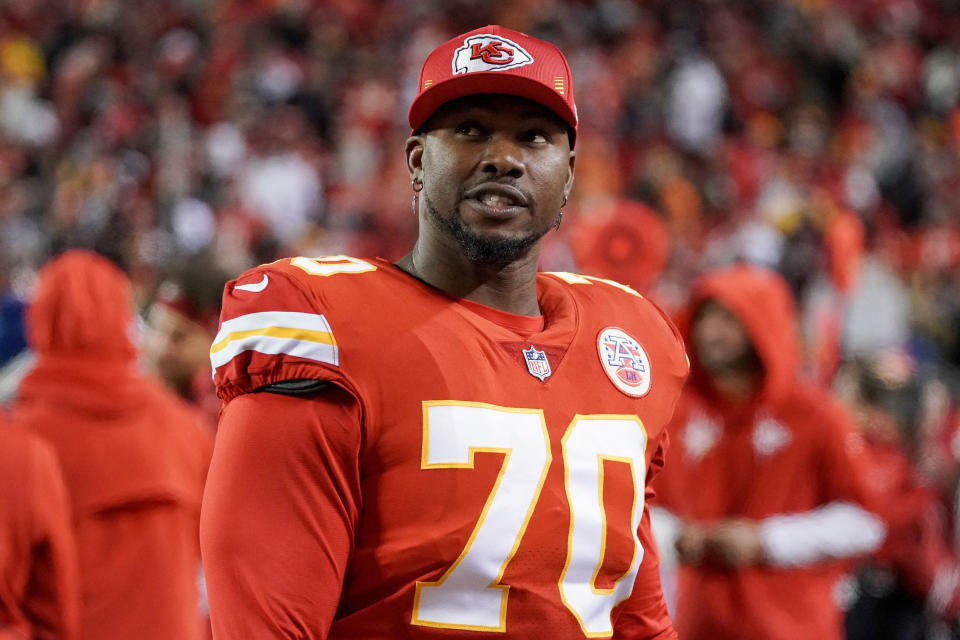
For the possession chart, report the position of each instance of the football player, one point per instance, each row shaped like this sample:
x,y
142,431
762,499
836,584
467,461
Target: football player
x,y
454,445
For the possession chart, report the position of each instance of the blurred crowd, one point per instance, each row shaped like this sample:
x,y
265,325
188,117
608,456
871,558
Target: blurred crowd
x,y
189,140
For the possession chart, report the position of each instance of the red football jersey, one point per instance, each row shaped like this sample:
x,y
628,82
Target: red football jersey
x,y
462,473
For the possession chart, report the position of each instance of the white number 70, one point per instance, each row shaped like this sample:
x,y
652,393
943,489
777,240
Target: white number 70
x,y
469,594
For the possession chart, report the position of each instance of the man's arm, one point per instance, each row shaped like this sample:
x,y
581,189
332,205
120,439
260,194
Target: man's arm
x,y
281,505
846,524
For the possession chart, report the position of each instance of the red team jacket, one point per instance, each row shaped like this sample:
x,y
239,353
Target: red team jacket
x,y
134,456
777,460
39,595
465,470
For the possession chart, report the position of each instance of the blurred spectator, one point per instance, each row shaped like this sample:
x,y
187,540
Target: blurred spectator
x,y
181,324
12,335
14,355
696,102
912,583
765,485
134,456
39,593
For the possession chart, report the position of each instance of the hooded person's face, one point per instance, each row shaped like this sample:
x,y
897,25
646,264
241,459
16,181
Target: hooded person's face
x,y
720,341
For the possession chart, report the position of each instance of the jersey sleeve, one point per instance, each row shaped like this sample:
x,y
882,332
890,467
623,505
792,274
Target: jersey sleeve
x,y
280,509
273,328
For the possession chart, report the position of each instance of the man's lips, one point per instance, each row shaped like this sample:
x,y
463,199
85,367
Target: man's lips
x,y
497,195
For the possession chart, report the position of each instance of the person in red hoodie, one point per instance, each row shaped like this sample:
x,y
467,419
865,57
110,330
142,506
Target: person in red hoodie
x,y
39,595
766,483
134,455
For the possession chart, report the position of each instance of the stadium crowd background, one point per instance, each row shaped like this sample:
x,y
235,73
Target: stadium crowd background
x,y
819,137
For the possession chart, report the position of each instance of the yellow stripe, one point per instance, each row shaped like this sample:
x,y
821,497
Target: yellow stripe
x,y
323,337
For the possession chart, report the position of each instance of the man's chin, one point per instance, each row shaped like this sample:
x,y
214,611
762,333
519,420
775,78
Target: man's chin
x,y
495,249
491,247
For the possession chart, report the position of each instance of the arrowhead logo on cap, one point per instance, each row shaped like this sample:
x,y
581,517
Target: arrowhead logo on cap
x,y
485,52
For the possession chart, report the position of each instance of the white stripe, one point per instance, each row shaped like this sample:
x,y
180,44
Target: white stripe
x,y
310,350
267,344
835,530
285,319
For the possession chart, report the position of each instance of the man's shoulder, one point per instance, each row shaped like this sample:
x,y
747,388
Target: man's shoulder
x,y
608,303
591,287
301,283
307,294
284,320
600,296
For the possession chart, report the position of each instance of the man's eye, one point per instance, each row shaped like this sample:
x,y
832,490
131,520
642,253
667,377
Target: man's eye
x,y
537,136
468,129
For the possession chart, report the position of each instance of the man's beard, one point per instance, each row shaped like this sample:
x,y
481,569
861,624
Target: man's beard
x,y
494,251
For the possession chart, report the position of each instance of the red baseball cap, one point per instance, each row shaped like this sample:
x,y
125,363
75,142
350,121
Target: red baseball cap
x,y
493,59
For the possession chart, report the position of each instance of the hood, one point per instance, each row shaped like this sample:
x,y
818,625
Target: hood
x,y
82,307
762,301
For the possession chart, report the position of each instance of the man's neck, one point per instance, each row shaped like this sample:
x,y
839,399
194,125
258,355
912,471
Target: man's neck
x,y
511,288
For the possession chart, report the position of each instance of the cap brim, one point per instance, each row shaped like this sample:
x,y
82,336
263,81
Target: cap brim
x,y
427,103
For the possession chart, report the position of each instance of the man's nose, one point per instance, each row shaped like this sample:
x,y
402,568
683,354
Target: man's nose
x,y
502,157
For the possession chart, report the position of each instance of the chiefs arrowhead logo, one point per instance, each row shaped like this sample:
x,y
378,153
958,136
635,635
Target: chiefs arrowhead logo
x,y
485,52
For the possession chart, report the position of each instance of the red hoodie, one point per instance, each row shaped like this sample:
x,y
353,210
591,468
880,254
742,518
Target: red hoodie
x,y
39,597
133,454
788,460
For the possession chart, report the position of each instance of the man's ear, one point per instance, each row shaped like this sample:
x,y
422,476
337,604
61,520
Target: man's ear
x,y
414,151
568,186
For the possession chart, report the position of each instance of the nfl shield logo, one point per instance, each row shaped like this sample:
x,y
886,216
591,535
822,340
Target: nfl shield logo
x,y
537,363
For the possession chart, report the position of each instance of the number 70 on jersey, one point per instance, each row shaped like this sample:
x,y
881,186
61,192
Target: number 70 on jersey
x,y
470,595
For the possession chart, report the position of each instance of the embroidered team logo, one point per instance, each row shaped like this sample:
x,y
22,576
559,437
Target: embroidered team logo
x,y
769,436
485,52
537,363
699,436
625,361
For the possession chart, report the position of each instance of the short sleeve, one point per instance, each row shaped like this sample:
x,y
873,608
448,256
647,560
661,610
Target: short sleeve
x,y
272,329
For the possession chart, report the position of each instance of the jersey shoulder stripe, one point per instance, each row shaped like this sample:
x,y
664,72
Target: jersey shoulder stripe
x,y
304,335
576,278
